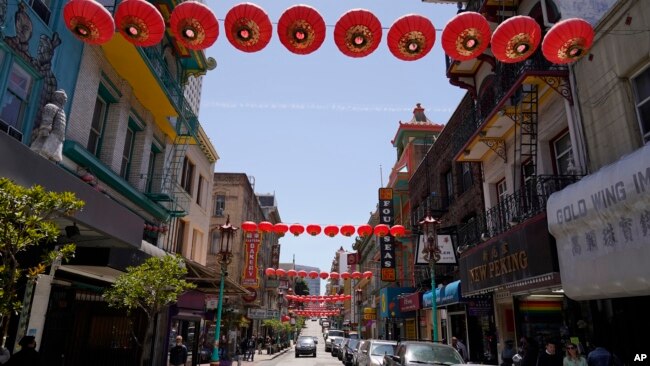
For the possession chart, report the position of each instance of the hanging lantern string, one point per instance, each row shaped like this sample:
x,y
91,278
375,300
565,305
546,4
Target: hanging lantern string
x,y
332,26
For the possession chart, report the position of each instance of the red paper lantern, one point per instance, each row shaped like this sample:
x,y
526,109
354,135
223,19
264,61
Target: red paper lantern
x,y
270,271
280,229
411,37
301,29
466,36
364,230
292,273
313,274
382,230
345,275
194,25
334,275
367,274
331,230
248,27
296,229
357,33
265,226
248,226
313,229
347,230
323,275
89,21
280,272
140,22
567,41
397,231
516,39
356,275
302,274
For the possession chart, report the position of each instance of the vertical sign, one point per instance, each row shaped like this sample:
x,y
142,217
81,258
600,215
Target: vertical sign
x,y
387,242
352,260
252,241
275,255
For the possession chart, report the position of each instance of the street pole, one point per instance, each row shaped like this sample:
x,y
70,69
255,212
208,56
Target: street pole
x,y
217,331
433,255
434,306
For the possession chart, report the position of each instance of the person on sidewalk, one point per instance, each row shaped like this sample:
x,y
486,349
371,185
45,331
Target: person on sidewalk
x,y
178,353
27,356
250,348
460,347
549,357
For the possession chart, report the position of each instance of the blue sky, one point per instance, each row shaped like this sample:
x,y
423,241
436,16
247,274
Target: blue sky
x,y
315,129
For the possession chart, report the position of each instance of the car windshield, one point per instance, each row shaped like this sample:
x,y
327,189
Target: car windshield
x,y
306,340
432,354
382,349
352,343
338,340
335,333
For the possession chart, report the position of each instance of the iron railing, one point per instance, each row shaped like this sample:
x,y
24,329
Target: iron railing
x,y
514,209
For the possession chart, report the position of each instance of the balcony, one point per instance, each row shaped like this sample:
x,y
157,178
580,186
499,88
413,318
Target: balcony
x,y
514,209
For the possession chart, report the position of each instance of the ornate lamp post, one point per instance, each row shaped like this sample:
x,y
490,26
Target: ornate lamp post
x,y
224,257
432,255
358,292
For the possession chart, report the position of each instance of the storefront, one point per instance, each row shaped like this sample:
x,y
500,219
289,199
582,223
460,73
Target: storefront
x,y
409,305
519,271
392,324
602,228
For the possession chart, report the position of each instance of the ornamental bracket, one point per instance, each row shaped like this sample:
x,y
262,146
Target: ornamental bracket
x,y
561,85
498,145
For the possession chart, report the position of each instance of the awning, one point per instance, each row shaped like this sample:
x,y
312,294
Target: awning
x,y
101,273
602,228
207,280
445,295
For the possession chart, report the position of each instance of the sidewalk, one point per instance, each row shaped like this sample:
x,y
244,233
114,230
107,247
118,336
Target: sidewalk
x,y
259,358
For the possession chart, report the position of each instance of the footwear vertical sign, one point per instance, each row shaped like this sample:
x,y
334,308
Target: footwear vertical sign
x,y
252,242
387,242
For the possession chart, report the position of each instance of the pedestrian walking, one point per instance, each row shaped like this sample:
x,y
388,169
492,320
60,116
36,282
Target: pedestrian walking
x,y
507,353
27,356
460,347
573,356
260,344
528,351
178,353
549,357
600,356
250,348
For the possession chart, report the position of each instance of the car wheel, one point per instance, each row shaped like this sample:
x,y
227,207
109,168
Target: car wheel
x,y
296,355
314,354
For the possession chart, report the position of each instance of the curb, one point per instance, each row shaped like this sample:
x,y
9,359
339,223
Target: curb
x,y
278,354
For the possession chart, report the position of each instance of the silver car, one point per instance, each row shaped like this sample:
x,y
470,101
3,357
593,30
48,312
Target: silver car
x,y
329,342
372,352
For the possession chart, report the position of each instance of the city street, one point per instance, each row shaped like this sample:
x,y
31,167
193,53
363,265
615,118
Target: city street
x,y
289,359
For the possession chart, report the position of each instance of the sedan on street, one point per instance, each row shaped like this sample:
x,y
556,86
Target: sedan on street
x,y
305,346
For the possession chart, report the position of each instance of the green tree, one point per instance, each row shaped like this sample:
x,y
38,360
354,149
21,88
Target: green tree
x,y
151,287
301,287
26,221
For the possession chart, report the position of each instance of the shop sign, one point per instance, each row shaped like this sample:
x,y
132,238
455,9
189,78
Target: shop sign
x,y
410,302
369,314
252,245
253,295
387,243
271,283
262,314
522,253
352,258
602,228
479,306
275,256
389,303
447,252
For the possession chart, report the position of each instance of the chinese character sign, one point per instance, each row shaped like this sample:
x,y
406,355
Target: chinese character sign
x,y
252,242
275,256
387,242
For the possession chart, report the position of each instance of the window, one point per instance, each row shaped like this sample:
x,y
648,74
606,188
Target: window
x,y
641,84
563,155
449,183
42,9
151,169
219,205
199,191
180,236
197,237
97,126
187,175
16,98
502,190
466,176
216,238
127,152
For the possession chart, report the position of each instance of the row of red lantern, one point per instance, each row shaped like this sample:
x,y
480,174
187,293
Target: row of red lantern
x,y
467,35
357,33
316,313
155,228
329,230
311,298
313,274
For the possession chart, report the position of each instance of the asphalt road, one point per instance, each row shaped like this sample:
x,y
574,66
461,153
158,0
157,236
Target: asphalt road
x,y
322,358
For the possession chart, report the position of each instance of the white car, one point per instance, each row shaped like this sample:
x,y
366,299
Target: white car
x,y
329,341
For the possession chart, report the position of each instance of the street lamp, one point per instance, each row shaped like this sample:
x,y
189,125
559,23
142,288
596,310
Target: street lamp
x,y
432,255
224,257
358,292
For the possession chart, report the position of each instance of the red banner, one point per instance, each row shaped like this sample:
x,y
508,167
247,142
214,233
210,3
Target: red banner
x,y
252,242
352,259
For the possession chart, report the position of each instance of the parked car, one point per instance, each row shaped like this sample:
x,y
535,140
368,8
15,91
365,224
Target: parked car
x,y
336,345
329,341
349,351
305,346
341,348
315,339
372,352
416,353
